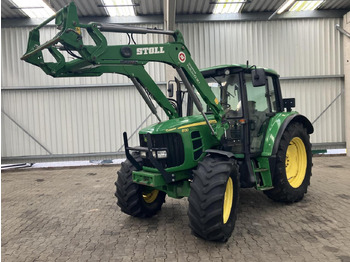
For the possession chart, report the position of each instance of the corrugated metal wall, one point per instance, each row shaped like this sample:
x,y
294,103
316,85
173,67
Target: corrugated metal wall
x,y
72,120
321,100
19,73
91,120
304,47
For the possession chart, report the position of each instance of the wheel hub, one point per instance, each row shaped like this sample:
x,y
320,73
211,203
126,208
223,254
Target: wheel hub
x,y
228,200
296,162
151,196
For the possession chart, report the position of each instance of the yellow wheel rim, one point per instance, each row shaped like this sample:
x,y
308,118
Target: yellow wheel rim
x,y
228,200
150,197
296,162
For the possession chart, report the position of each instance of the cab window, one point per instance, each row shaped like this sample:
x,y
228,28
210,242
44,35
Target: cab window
x,y
226,90
258,108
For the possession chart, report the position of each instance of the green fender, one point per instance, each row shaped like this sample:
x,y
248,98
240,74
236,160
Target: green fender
x,y
276,128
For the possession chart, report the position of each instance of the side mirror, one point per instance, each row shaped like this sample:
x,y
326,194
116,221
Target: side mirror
x,y
258,77
170,89
288,103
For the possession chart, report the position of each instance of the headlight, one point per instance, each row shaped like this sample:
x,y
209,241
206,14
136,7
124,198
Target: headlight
x,y
154,154
143,154
162,154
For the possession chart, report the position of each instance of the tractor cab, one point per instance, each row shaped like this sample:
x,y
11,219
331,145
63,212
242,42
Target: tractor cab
x,y
246,103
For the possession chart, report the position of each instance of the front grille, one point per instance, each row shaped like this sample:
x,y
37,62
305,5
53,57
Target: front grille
x,y
173,142
197,144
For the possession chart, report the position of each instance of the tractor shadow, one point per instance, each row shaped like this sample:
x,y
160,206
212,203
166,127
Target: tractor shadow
x,y
255,206
256,214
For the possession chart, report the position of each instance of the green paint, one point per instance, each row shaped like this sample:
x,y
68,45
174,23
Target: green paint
x,y
155,179
264,170
272,131
180,126
148,178
179,188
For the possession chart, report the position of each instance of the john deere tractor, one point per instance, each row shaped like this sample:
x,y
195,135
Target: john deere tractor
x,y
228,126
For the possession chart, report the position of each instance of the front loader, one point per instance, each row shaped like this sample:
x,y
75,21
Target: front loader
x,y
233,130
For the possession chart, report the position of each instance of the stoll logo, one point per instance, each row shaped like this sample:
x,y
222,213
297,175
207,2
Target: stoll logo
x,y
149,50
182,57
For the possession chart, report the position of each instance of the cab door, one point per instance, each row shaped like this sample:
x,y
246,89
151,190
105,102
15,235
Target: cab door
x,y
261,106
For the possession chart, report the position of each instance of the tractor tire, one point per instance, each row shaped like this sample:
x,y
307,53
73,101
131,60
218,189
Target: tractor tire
x,y
293,165
134,199
213,200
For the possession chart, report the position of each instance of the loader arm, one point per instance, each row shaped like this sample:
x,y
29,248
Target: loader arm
x,y
128,60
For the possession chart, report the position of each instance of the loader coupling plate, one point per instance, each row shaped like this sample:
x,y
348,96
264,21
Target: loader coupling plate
x,y
149,152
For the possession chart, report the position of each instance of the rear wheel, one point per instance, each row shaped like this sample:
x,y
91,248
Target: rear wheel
x,y
134,199
213,200
293,165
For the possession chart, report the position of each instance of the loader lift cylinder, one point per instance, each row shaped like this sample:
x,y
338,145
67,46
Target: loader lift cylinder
x,y
144,96
194,97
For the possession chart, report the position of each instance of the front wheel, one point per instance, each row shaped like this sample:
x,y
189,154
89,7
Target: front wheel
x,y
134,199
293,165
213,200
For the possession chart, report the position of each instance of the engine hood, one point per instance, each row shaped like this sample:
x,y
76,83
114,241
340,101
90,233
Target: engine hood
x,y
177,124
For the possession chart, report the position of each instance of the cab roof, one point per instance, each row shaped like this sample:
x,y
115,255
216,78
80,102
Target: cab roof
x,y
242,66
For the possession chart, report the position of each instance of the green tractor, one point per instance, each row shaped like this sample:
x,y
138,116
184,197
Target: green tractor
x,y
228,126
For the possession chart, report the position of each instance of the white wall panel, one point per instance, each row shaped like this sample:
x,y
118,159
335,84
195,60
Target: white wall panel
x,y
91,120
19,73
312,98
71,121
302,47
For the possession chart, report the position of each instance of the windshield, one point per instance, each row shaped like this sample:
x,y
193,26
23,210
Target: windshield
x,y
227,91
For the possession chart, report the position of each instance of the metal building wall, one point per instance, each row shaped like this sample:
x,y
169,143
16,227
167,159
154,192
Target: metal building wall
x,y
78,121
19,73
71,121
322,101
301,47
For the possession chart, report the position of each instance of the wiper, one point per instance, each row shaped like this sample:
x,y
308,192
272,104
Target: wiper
x,y
216,81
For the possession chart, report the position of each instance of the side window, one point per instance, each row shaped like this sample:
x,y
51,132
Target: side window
x,y
256,96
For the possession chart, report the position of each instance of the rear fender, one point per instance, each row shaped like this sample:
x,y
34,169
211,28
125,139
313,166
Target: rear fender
x,y
293,118
276,128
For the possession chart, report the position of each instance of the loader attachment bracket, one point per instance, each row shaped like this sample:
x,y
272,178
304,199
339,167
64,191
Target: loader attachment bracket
x,y
168,178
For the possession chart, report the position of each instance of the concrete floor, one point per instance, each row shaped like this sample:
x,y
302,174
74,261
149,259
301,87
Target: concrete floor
x,y
71,215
